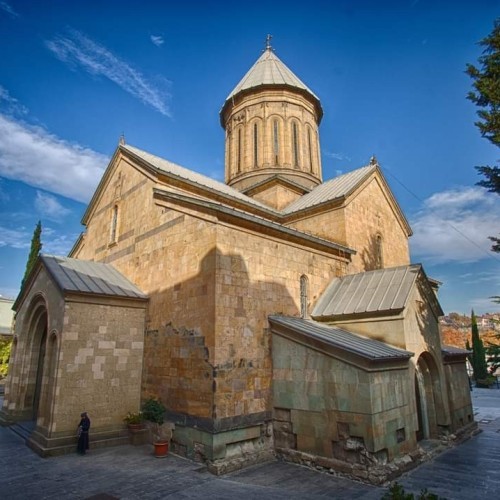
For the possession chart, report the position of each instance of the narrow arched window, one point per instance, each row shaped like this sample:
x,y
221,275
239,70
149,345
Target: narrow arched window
x,y
276,144
295,144
238,155
309,147
304,293
379,261
114,224
255,145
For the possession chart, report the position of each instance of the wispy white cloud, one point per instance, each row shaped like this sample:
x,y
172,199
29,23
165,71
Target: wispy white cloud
x,y
32,155
9,104
483,276
15,238
337,156
8,8
77,50
48,206
157,40
57,243
483,304
454,226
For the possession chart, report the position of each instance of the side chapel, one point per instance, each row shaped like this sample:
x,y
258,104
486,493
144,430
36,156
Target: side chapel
x,y
274,313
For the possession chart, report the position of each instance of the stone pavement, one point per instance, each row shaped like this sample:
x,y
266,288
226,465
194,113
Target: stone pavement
x,y
469,471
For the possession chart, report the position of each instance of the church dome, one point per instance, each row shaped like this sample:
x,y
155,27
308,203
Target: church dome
x,y
271,122
269,70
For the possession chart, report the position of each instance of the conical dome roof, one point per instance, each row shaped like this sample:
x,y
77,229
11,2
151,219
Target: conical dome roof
x,y
269,70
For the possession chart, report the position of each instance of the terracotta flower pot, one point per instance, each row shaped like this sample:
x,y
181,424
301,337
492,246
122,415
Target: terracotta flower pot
x,y
161,449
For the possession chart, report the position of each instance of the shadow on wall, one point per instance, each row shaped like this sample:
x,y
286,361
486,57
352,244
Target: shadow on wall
x,y
371,256
208,344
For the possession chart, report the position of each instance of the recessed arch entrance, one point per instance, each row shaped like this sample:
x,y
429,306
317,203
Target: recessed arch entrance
x,y
428,397
41,353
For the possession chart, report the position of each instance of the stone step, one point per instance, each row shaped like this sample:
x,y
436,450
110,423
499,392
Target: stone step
x,y
22,429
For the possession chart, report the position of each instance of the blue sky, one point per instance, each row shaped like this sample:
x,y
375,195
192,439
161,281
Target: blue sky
x,y
390,75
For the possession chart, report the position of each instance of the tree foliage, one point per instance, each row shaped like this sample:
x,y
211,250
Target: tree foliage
x,y
5,348
486,96
479,365
493,357
36,247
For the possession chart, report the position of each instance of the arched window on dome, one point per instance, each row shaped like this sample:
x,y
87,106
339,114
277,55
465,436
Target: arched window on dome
x,y
255,145
310,150
295,144
239,151
276,142
304,295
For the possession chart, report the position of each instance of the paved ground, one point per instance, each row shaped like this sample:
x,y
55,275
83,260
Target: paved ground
x,y
469,471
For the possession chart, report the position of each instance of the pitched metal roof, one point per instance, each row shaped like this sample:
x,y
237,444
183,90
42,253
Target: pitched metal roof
x,y
334,188
452,351
330,190
269,70
339,338
82,276
193,177
382,290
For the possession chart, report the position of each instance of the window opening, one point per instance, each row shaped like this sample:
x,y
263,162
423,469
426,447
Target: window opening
x,y
310,149
114,223
378,252
304,292
255,145
239,151
295,141
275,141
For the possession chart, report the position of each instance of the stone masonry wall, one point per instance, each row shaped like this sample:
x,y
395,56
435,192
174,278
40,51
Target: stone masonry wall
x,y
338,415
100,365
257,276
457,385
367,215
166,253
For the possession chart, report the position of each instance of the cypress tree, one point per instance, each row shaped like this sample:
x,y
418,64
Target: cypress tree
x,y
478,353
36,247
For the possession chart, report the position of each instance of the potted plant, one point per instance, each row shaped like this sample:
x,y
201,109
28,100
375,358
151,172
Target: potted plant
x,y
134,421
154,411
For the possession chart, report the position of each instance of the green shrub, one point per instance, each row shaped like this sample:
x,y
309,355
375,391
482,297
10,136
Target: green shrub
x,y
397,492
5,348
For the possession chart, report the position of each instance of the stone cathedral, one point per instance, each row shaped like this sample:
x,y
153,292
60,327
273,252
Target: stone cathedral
x,y
275,314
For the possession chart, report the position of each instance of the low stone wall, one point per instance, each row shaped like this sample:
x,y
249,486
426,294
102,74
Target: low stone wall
x,y
373,468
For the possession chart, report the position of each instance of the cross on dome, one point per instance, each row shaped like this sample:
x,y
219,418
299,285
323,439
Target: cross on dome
x,y
268,42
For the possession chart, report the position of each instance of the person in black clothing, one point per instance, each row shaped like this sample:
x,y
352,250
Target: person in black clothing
x,y
83,434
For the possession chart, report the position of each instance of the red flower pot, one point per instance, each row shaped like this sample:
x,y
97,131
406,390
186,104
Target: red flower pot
x,y
161,449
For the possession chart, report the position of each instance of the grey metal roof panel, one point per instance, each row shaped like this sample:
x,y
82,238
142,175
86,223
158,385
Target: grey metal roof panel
x,y
342,339
450,350
82,276
194,177
334,188
330,190
382,290
269,70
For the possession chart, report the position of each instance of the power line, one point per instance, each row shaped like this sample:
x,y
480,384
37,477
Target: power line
x,y
492,255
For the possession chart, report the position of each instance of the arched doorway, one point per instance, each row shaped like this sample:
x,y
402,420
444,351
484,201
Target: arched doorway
x,y
39,371
33,372
428,398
